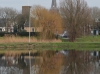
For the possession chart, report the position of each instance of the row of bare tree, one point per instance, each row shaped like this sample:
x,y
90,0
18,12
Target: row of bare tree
x,y
7,16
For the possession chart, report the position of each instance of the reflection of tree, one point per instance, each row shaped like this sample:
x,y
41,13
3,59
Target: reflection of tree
x,y
77,62
21,63
51,63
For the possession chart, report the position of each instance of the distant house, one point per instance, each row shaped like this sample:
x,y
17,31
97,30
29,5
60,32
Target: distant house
x,y
9,28
4,27
28,28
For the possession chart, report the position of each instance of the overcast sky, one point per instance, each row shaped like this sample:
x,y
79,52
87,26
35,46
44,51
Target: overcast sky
x,y
17,4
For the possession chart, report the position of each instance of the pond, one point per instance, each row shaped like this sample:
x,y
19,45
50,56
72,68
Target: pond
x,y
51,62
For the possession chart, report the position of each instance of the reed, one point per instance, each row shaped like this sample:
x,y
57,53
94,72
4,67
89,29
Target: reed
x,y
17,39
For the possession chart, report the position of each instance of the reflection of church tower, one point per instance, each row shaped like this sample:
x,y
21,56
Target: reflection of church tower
x,y
54,6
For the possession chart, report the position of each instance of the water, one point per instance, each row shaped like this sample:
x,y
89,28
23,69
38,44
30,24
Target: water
x,y
15,64
52,62
10,70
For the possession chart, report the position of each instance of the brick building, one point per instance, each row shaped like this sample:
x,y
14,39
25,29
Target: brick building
x,y
26,9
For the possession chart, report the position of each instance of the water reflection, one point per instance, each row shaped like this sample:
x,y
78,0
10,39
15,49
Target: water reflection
x,y
11,64
81,62
10,70
52,62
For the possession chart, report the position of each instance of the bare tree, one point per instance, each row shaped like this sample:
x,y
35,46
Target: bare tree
x,y
51,63
76,16
8,15
78,62
20,22
95,13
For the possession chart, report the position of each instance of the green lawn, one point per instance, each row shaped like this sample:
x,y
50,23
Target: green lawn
x,y
89,39
52,46
84,43
85,39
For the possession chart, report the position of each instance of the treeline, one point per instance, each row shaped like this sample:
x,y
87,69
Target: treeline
x,y
73,16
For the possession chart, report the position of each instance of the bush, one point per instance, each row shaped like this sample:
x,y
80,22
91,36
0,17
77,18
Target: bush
x,y
2,34
27,33
20,34
64,40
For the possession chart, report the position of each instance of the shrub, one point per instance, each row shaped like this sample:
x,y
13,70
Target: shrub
x,y
27,33
2,34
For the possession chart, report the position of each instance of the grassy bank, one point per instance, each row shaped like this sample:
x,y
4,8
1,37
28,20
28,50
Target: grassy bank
x,y
52,46
21,43
88,39
85,39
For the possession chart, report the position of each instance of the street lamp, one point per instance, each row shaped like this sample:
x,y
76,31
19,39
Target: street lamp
x,y
29,36
29,23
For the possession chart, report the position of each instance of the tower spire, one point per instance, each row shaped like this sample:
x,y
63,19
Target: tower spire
x,y
54,5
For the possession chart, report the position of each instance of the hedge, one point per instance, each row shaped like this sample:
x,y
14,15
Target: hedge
x,y
27,33
20,33
2,34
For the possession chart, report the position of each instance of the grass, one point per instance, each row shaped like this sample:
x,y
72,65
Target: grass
x,y
88,39
33,39
85,39
12,51
52,46
21,43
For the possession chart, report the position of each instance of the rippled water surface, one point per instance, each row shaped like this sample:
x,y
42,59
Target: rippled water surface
x,y
51,62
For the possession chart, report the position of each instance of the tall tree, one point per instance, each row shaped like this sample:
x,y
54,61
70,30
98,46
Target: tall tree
x,y
76,16
95,12
49,23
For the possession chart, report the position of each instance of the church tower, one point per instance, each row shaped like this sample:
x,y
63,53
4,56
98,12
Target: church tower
x,y
54,5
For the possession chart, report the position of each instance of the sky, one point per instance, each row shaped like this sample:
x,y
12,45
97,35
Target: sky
x,y
17,4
